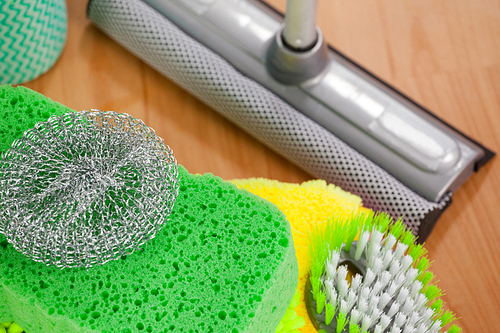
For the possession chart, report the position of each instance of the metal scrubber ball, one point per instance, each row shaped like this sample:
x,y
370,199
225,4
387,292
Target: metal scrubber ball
x,y
85,188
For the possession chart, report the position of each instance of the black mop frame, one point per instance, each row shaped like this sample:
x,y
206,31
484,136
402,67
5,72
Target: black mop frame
x,y
164,46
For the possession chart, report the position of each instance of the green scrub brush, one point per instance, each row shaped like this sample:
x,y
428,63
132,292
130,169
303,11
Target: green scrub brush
x,y
379,283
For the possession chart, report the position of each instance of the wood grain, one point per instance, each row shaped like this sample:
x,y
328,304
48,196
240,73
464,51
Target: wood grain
x,y
445,54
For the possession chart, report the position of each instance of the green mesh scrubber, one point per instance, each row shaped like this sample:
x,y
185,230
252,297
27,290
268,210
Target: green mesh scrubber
x,y
20,109
224,263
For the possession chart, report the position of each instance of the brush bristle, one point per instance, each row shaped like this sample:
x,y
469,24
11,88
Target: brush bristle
x,y
394,294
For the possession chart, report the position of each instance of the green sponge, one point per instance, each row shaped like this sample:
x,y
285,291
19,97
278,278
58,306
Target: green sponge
x,y
225,262
20,109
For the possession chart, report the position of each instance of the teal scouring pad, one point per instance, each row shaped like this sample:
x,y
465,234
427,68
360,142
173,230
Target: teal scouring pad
x,y
223,262
32,36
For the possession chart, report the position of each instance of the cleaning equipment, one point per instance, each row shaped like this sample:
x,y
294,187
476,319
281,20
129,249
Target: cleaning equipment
x,y
105,155
209,270
302,214
22,108
10,327
32,36
282,84
306,206
379,283
216,266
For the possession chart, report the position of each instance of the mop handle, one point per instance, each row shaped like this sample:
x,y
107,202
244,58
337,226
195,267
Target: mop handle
x,y
300,24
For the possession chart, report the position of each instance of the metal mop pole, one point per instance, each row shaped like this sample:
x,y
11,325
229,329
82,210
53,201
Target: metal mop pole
x,y
300,24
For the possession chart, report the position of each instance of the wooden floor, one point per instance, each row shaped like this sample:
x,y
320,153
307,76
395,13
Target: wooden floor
x,y
443,53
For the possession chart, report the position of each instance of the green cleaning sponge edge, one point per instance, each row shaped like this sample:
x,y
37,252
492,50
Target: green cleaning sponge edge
x,y
224,263
21,108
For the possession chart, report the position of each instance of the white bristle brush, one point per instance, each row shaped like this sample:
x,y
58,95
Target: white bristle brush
x,y
377,284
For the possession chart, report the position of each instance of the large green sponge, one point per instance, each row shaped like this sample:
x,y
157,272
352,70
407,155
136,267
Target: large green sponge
x,y
225,262
20,109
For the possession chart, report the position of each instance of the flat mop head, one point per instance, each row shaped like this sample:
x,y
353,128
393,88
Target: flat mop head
x,y
210,50
85,188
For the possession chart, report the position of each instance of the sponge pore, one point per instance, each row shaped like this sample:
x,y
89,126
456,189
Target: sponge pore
x,y
20,109
224,263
